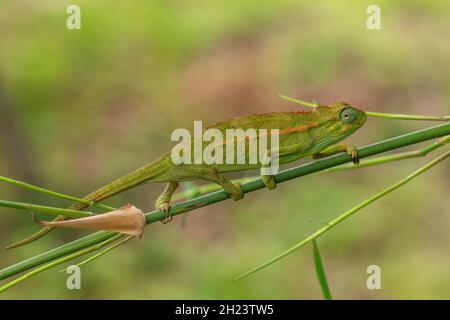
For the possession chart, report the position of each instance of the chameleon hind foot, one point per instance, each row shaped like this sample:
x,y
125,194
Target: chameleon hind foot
x,y
165,208
163,201
234,189
236,192
269,181
167,218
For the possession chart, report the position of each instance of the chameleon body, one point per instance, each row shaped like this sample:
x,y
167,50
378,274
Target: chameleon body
x,y
301,134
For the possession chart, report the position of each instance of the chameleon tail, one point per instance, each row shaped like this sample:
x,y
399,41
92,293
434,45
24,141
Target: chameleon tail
x,y
148,172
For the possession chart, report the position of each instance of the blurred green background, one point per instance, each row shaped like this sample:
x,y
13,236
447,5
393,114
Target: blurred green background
x,y
79,108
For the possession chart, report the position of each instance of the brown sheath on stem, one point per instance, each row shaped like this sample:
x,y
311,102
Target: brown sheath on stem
x,y
127,219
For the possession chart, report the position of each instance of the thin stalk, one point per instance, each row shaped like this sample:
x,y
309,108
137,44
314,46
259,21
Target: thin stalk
x,y
207,188
320,272
376,114
308,168
298,101
101,253
406,116
54,193
346,215
68,248
197,190
220,195
45,209
204,189
58,262
191,191
393,157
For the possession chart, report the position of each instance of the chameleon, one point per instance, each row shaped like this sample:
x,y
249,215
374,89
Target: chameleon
x,y
315,133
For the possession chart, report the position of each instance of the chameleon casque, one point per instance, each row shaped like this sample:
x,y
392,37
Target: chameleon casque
x,y
301,133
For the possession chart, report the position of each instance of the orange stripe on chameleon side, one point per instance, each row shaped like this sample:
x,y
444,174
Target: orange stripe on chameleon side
x,y
299,128
283,131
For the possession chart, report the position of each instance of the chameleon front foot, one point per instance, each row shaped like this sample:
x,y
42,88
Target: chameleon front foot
x,y
167,218
353,152
163,201
165,208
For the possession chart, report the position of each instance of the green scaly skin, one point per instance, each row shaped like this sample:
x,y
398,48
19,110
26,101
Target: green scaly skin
x,y
301,134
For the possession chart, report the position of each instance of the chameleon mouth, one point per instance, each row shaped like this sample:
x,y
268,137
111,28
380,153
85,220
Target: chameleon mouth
x,y
363,120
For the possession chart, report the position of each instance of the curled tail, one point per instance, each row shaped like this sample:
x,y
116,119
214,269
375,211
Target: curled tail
x,y
148,172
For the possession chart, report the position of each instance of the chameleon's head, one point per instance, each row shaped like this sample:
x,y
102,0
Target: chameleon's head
x,y
349,118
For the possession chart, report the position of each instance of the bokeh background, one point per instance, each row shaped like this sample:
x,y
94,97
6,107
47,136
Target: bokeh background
x,y
79,108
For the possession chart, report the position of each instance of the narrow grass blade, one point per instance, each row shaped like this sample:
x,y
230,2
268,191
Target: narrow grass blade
x,y
45,209
364,163
392,157
320,272
376,114
346,215
407,116
218,196
101,253
53,193
58,262
298,101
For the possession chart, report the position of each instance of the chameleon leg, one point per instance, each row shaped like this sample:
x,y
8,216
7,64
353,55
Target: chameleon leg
x,y
233,189
351,151
268,180
211,174
163,201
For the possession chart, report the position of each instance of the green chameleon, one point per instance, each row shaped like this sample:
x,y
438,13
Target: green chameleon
x,y
301,134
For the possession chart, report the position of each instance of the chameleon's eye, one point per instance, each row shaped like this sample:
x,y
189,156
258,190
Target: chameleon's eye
x,y
348,115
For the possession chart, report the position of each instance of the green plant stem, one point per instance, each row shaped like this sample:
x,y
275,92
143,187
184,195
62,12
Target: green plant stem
x,y
376,114
45,209
58,252
117,237
217,196
197,190
407,116
320,272
204,189
346,215
54,193
207,188
308,168
101,253
393,157
58,262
